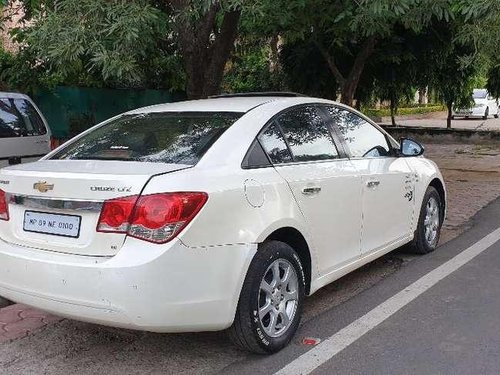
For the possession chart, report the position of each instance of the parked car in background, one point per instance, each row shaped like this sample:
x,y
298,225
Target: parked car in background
x,y
484,105
24,133
212,214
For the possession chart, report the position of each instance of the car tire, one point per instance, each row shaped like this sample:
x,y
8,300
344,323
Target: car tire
x,y
486,113
254,332
5,302
428,231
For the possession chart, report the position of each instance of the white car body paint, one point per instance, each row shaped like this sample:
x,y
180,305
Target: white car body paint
x,y
193,282
483,103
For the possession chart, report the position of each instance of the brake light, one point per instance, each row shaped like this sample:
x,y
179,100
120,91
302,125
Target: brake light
x,y
54,143
115,215
4,206
156,218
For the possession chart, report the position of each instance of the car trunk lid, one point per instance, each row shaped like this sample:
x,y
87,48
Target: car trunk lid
x,y
55,204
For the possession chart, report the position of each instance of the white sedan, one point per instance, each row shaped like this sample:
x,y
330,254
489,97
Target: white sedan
x,y
213,214
484,105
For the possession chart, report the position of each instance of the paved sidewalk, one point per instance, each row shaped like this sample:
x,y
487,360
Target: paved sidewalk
x,y
18,320
438,120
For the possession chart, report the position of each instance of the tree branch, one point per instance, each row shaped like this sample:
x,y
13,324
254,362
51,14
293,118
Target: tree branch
x,y
331,64
359,63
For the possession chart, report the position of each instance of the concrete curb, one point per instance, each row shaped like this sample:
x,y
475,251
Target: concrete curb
x,y
443,135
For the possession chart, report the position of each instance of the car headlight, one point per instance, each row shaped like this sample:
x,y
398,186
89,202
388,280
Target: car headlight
x,y
479,105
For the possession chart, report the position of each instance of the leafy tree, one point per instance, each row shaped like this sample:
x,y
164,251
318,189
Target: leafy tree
x,y
350,30
251,68
453,81
136,43
481,26
306,71
493,84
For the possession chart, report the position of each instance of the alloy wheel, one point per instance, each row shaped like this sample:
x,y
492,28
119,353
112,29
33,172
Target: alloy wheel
x,y
278,297
431,222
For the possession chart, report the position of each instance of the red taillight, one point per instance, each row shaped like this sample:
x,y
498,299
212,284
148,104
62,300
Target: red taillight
x,y
155,218
54,143
115,214
4,206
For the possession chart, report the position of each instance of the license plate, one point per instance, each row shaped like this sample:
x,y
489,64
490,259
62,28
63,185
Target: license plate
x,y
54,224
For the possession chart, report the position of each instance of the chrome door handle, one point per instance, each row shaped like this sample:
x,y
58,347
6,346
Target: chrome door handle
x,y
373,183
311,190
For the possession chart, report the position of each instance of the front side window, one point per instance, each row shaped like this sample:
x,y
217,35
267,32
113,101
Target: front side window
x,y
176,138
18,118
363,139
307,134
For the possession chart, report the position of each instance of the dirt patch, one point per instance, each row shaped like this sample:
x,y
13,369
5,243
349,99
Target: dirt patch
x,y
472,176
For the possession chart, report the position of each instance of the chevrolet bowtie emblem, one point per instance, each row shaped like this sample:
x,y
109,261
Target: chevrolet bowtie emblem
x,y
43,187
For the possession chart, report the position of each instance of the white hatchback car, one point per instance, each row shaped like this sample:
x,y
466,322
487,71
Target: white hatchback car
x,y
24,134
212,214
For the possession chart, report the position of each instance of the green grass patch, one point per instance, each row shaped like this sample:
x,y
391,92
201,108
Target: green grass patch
x,y
385,112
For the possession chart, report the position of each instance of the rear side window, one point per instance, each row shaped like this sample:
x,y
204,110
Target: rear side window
x,y
18,118
275,146
175,138
307,134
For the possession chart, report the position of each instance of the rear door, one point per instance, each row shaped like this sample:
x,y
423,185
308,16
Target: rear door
x,y
23,131
387,182
325,185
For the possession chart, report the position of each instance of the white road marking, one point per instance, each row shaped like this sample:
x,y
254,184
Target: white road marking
x,y
333,345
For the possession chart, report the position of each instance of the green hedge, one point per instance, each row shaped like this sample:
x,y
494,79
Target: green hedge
x,y
385,112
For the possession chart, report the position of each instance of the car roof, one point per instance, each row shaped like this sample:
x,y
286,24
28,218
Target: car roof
x,y
241,104
13,95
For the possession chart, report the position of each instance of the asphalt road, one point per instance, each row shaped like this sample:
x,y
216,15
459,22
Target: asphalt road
x,y
439,120
451,327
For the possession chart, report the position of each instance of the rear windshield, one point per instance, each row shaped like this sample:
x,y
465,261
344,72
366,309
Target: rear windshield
x,y
480,94
18,118
174,138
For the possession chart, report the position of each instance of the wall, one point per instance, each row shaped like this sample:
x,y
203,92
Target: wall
x,y
70,110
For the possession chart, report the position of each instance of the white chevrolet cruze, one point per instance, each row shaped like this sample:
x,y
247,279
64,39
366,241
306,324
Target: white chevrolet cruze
x,y
212,214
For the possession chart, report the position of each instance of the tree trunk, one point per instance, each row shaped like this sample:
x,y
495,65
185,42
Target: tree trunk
x,y
352,81
393,114
348,85
450,114
393,107
205,47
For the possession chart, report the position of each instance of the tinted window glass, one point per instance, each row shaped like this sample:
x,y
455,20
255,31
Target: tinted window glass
x,y
32,120
179,138
362,138
480,94
275,145
18,118
307,134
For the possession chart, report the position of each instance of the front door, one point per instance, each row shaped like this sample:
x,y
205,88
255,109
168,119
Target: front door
x,y
387,182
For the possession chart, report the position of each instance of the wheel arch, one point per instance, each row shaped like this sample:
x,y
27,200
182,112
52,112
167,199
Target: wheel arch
x,y
437,184
294,238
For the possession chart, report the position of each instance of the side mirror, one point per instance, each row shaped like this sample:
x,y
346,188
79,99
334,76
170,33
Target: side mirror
x,y
409,147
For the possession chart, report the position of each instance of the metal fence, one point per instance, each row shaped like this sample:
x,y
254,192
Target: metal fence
x,y
71,110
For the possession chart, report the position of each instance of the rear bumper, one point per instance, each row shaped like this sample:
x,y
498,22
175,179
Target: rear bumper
x,y
170,288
